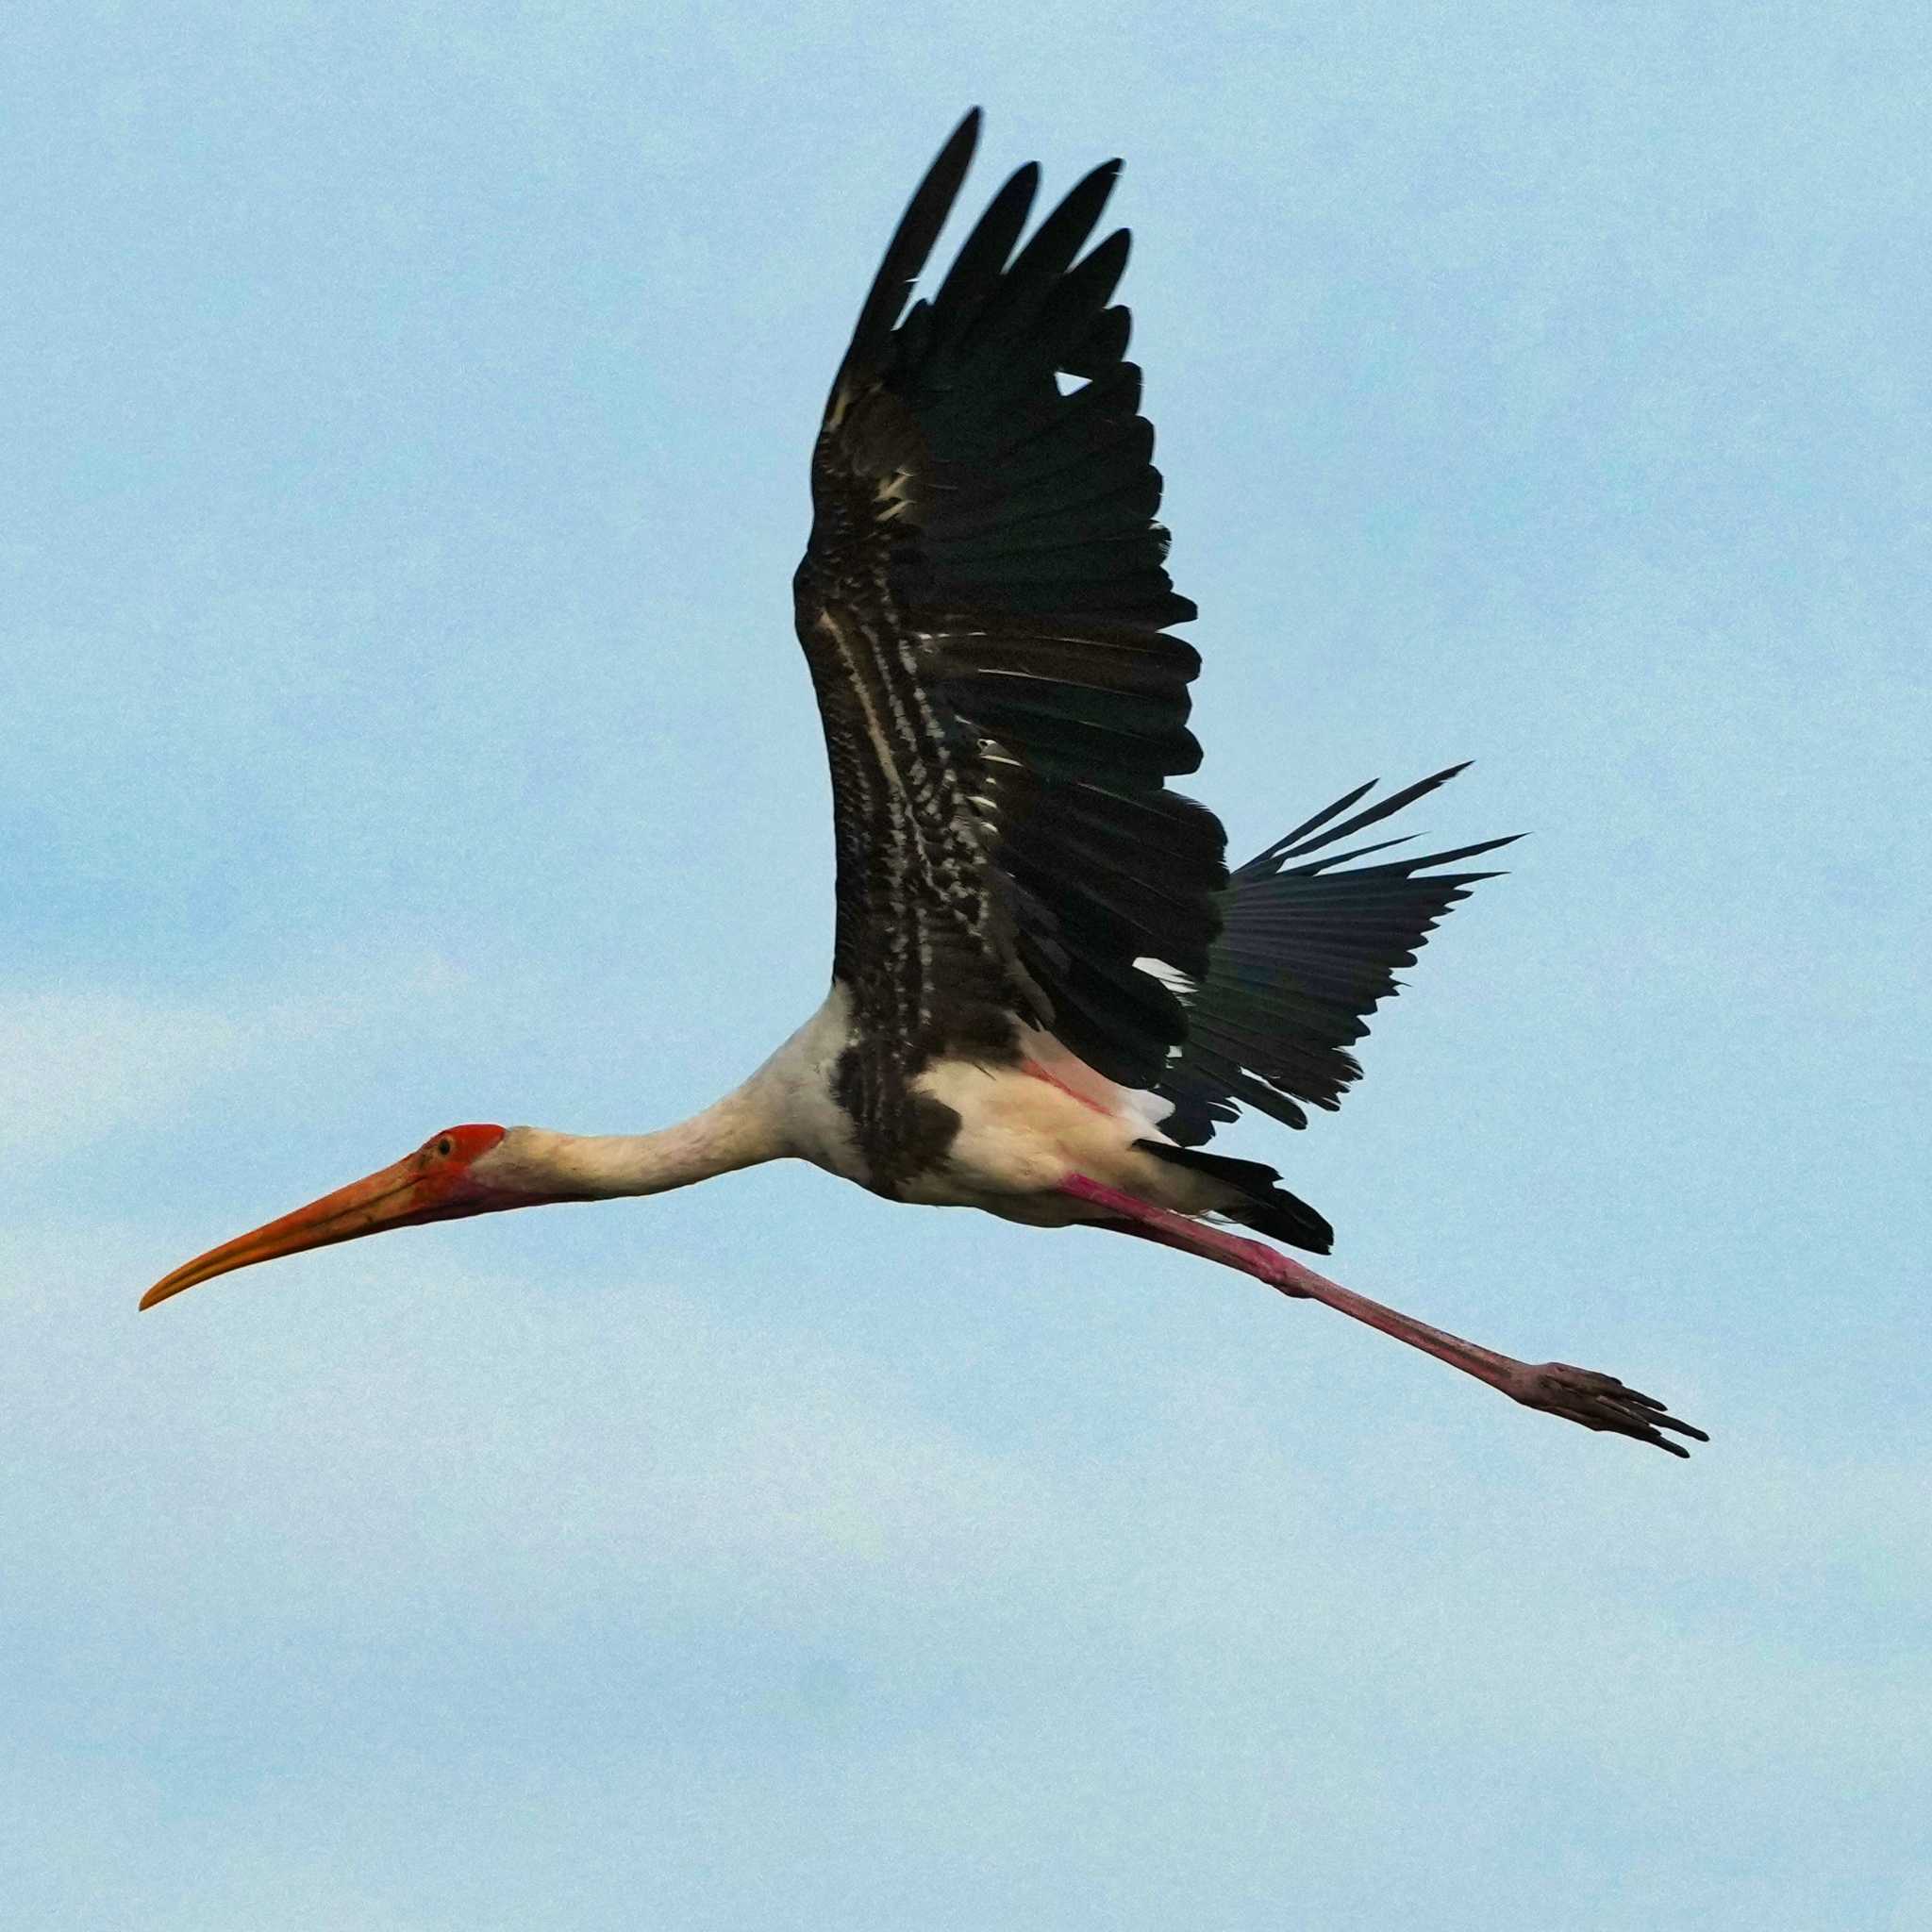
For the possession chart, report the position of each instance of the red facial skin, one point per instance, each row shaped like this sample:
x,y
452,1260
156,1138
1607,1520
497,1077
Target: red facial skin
x,y
432,1184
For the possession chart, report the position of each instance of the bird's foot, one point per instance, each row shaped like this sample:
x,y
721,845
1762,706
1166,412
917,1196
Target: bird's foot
x,y
1598,1402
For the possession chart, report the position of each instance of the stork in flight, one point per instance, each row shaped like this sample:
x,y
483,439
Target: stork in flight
x,y
1047,988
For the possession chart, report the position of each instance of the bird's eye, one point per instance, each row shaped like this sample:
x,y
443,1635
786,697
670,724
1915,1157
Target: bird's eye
x,y
444,1147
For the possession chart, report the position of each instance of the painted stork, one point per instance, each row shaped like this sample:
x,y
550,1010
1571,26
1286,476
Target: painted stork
x,y
1047,988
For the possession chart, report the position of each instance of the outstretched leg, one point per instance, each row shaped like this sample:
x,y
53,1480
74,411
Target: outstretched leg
x,y
1579,1395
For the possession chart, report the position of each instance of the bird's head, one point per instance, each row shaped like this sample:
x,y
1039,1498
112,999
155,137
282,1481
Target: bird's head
x,y
467,1170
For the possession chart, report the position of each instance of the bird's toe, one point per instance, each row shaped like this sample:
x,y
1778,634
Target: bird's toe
x,y
1602,1402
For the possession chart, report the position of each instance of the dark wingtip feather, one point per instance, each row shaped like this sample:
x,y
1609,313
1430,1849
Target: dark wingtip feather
x,y
1297,842
1038,267
1411,866
1281,845
1307,953
982,258
906,255
1374,814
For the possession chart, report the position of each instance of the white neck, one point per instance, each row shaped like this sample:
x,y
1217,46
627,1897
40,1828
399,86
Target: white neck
x,y
731,1133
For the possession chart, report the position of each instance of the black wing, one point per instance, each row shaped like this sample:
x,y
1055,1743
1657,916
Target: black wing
x,y
1305,953
983,605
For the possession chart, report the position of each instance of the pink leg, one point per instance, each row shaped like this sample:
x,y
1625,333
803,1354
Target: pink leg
x,y
1579,1395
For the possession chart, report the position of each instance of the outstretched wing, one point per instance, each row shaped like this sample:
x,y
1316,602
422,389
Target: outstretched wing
x,y
1305,954
983,606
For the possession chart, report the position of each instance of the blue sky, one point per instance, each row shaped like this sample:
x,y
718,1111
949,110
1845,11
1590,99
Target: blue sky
x,y
401,465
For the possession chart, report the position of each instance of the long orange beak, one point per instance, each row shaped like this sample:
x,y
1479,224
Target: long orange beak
x,y
417,1189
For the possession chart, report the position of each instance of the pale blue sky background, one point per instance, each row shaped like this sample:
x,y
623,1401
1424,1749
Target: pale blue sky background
x,y
402,463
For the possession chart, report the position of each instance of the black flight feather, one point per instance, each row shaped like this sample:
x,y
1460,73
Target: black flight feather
x,y
1304,956
983,606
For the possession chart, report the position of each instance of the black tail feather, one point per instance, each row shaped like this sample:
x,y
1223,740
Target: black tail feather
x,y
1268,1208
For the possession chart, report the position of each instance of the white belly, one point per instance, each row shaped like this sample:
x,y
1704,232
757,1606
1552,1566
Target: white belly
x,y
1023,1135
